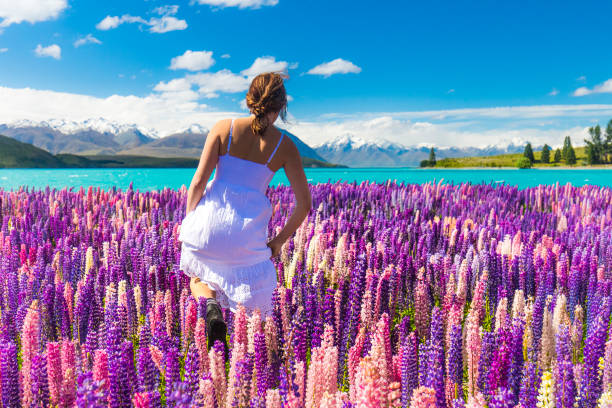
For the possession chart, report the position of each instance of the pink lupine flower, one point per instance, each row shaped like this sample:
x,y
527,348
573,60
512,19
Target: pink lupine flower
x,y
217,372
169,312
423,397
157,356
207,393
68,363
353,360
473,342
322,372
30,344
100,366
201,345
254,326
273,399
371,387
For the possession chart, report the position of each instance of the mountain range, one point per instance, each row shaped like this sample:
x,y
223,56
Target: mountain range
x,y
358,152
101,137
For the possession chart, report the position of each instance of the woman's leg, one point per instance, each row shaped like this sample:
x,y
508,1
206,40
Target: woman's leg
x,y
201,289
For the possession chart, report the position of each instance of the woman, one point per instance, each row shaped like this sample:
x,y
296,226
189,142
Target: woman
x,y
224,233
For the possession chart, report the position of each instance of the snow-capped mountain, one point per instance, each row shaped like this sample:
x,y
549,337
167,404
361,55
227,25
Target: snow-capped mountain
x,y
354,151
100,125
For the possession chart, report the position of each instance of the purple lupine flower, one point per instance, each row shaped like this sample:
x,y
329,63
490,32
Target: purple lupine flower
x,y
40,384
90,393
530,383
10,375
192,367
409,374
592,383
261,363
147,372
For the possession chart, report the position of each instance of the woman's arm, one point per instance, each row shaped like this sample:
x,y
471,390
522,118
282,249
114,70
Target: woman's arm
x,y
295,173
208,161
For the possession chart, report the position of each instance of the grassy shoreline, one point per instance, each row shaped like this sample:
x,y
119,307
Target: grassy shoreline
x,y
508,161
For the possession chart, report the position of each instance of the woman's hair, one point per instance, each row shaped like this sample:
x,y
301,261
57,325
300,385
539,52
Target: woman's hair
x,y
266,94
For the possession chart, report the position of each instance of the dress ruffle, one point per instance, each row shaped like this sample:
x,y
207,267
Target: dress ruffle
x,y
251,286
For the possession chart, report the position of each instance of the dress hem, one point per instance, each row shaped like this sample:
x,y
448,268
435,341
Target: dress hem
x,y
228,296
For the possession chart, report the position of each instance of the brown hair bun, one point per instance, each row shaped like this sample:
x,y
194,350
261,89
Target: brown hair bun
x,y
266,94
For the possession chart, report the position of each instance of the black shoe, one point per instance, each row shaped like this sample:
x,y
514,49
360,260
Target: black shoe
x,y
216,329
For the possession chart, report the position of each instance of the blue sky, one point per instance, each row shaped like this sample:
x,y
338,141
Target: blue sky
x,y
439,72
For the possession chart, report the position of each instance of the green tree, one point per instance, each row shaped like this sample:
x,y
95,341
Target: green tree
x,y
424,163
607,144
432,157
523,163
545,157
571,156
557,157
594,146
567,143
568,153
528,153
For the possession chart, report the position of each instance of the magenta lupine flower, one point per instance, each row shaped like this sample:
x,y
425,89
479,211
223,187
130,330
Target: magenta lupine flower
x,y
54,371
68,363
100,366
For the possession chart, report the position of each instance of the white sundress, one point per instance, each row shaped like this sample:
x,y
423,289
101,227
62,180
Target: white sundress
x,y
224,238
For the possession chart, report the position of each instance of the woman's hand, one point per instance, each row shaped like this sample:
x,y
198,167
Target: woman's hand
x,y
275,246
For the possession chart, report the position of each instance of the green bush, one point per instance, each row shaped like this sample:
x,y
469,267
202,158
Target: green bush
x,y
523,163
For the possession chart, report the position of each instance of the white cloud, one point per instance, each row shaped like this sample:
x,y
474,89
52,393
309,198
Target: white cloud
x,y
193,60
337,66
3,50
265,64
554,92
581,78
88,39
604,87
209,84
225,56
31,11
53,51
450,91
254,4
159,25
166,24
165,113
166,10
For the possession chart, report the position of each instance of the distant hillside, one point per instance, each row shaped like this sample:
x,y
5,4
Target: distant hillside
x,y
16,154
504,160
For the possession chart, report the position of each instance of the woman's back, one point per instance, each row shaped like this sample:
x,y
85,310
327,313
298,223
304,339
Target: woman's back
x,y
240,163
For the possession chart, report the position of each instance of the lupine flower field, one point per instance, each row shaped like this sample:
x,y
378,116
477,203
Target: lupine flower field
x,y
390,295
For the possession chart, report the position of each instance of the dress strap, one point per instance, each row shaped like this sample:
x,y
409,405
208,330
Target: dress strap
x,y
278,144
230,136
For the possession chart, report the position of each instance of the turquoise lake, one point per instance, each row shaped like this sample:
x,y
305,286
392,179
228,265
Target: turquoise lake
x,y
155,179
